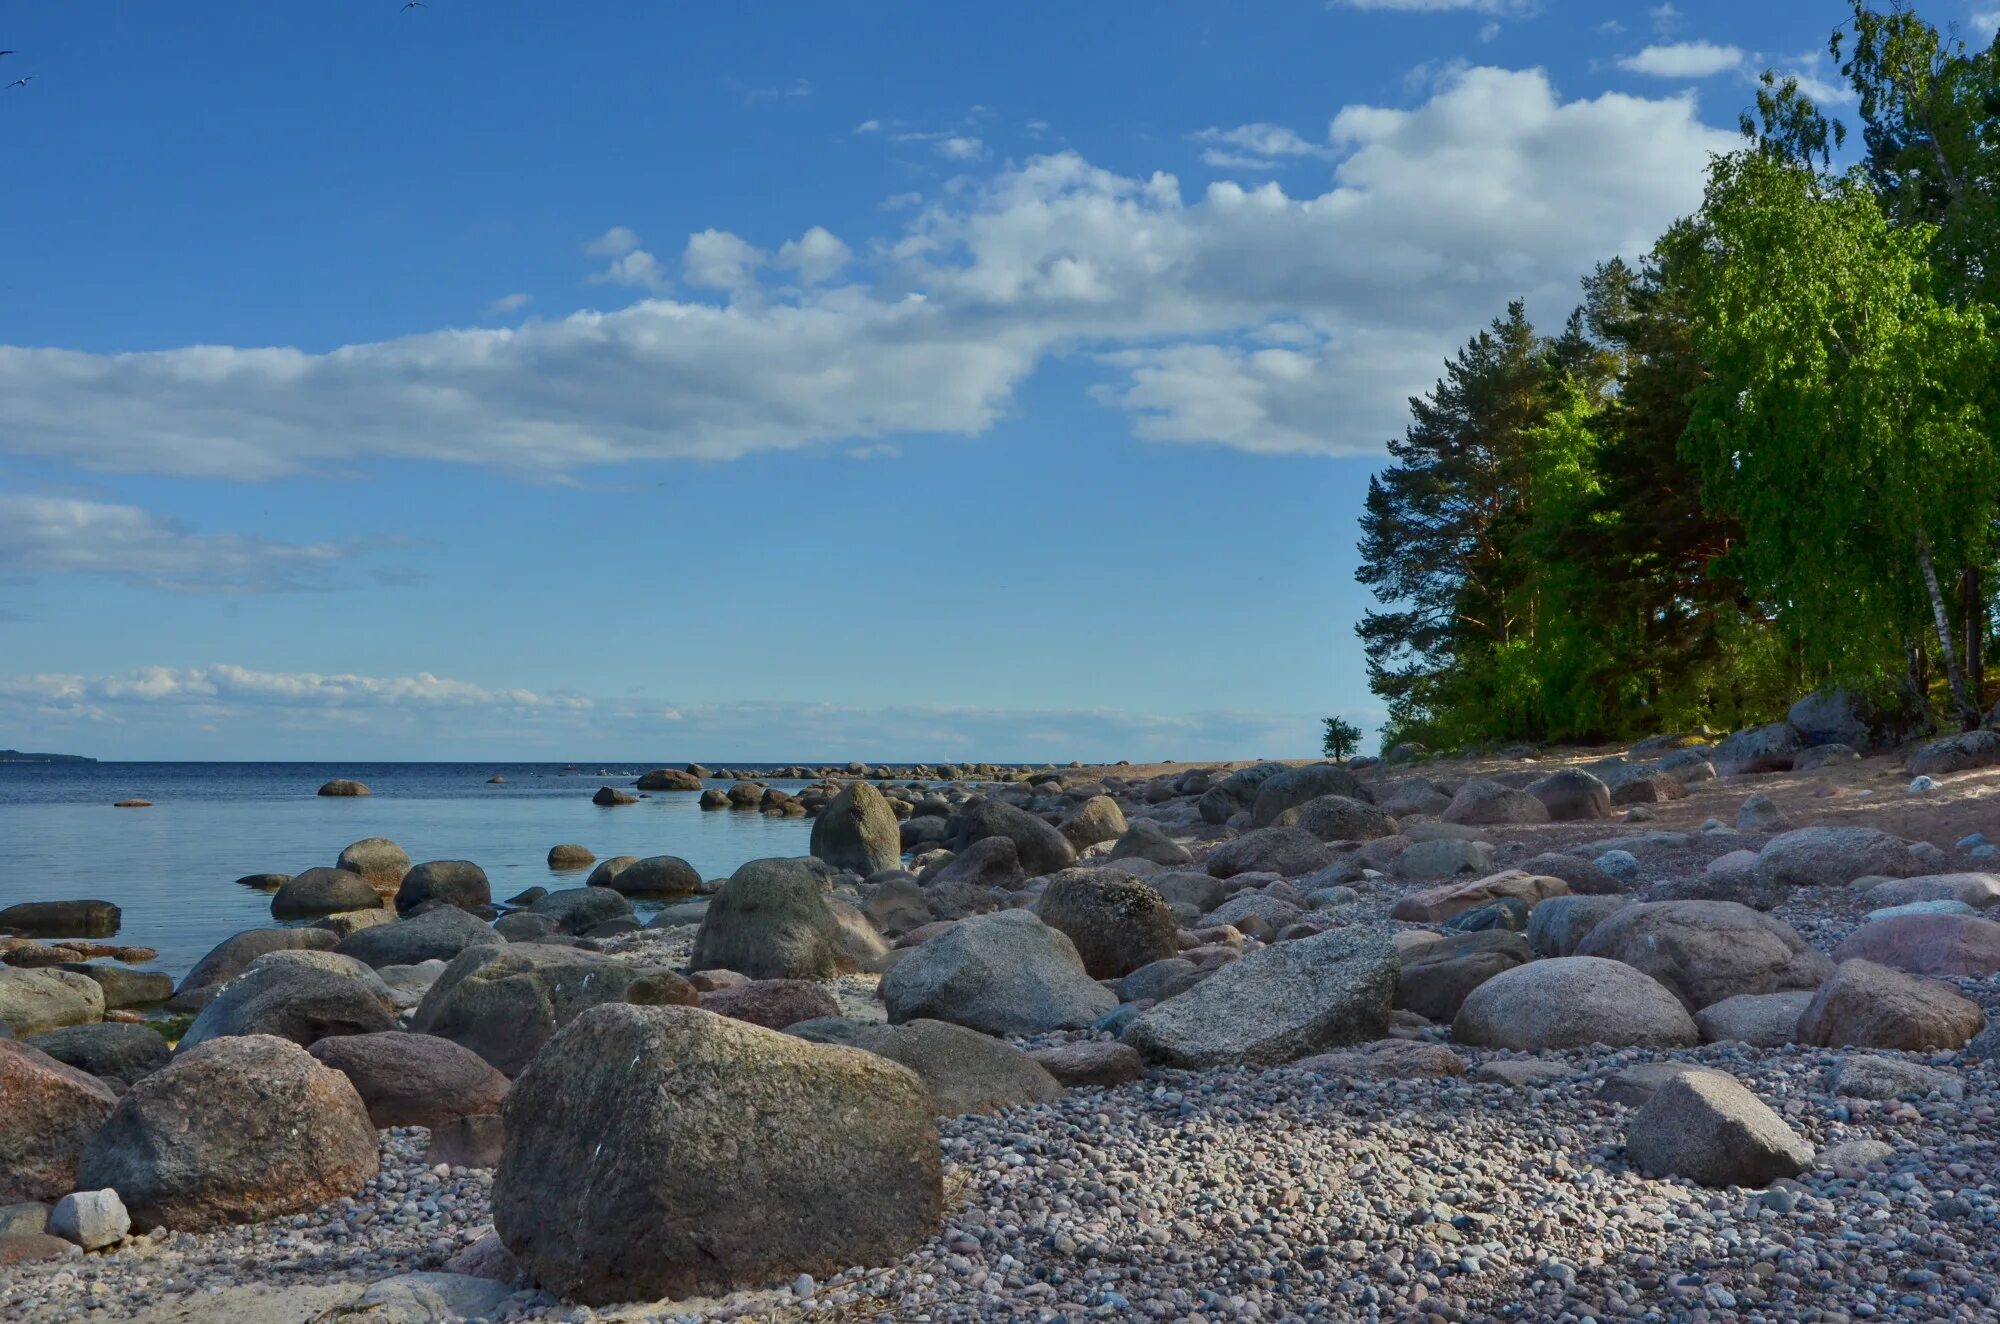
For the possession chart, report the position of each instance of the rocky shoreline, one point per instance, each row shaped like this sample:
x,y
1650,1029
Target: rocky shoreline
x,y
1688,1031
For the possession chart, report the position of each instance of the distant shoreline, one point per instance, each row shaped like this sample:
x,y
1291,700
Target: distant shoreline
x,y
22,756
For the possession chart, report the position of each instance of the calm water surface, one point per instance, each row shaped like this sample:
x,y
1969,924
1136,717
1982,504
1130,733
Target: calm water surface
x,y
173,867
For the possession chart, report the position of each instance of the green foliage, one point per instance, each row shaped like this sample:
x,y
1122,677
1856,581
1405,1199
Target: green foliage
x,y
1762,462
1341,739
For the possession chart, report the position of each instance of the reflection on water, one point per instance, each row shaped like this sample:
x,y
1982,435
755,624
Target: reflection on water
x,y
172,867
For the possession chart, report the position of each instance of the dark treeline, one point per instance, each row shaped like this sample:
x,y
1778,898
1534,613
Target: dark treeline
x,y
1762,462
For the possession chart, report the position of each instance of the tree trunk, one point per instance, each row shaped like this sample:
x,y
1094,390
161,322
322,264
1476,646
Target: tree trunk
x,y
1968,711
1975,635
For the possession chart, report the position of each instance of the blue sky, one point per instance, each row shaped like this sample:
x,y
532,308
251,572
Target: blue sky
x,y
769,382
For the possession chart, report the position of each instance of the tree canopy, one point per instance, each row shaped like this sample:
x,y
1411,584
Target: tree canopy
x,y
1762,461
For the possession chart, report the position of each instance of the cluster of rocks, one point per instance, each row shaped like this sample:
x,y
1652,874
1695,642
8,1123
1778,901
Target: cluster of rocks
x,y
1245,1043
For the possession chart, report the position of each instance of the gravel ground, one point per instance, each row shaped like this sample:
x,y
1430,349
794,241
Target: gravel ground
x,y
1285,1195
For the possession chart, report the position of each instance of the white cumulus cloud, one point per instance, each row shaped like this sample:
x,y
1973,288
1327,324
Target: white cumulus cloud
x,y
1684,59
53,535
1492,187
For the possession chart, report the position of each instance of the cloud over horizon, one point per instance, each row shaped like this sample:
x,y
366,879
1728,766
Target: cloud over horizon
x,y
1494,187
303,714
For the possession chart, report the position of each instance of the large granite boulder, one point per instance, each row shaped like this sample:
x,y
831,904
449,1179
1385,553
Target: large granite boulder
x,y
458,883
323,892
414,1079
1339,818
1482,800
1572,793
1117,922
1981,891
1865,1005
966,1071
1558,926
233,955
1835,856
1573,1002
580,909
435,935
61,919
1761,1020
1097,819
48,1110
1434,905
1294,786
857,830
379,860
772,1003
1277,1004
1147,840
117,1053
238,1130
1288,851
1949,946
1199,892
1235,793
1436,979
505,1002
989,863
669,779
608,1190
1959,753
291,1001
1705,951
1769,748
772,920
1004,973
657,875
1708,1128
1040,848
32,1001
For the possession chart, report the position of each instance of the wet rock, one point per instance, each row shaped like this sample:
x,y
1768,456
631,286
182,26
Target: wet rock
x,y
378,860
62,919
323,892
459,883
